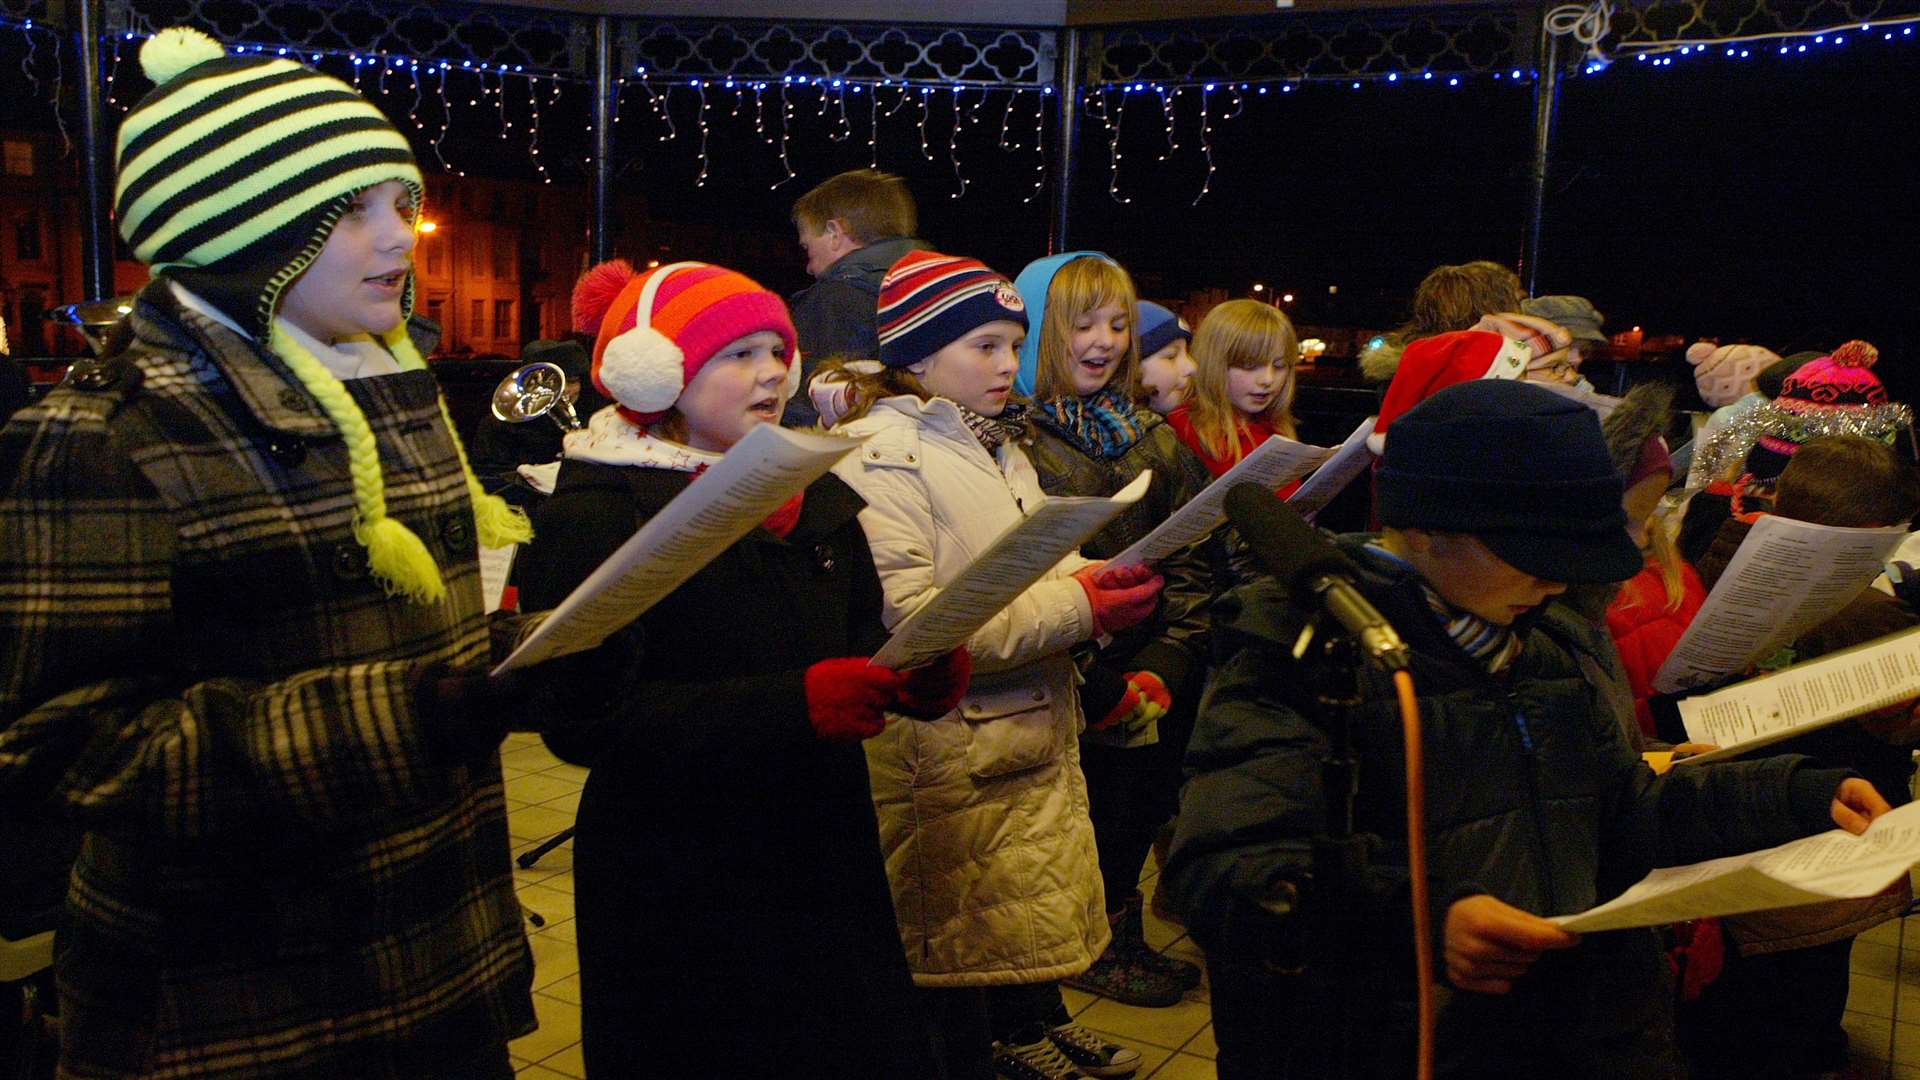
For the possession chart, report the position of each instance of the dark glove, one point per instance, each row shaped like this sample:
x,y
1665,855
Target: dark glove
x,y
847,697
933,690
465,714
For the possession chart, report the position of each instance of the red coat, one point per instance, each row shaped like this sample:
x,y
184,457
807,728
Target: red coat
x,y
1646,631
1258,431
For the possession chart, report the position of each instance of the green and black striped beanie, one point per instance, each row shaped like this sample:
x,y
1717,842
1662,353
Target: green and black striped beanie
x,y
234,169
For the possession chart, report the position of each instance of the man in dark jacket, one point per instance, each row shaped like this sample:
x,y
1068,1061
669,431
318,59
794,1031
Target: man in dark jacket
x,y
853,227
1536,806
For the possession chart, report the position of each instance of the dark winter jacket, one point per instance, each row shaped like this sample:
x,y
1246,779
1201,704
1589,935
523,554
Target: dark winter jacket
x,y
1173,644
834,316
1533,795
727,860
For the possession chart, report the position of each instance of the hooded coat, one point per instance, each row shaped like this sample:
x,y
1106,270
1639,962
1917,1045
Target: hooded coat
x,y
834,316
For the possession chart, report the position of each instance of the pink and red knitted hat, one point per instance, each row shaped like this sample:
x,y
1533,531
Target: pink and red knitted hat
x,y
654,331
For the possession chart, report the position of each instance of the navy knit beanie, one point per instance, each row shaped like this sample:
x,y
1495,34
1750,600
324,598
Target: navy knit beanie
x,y
1522,469
1158,328
929,301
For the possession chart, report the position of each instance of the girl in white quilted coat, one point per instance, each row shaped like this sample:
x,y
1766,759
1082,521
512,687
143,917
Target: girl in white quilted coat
x,y
983,813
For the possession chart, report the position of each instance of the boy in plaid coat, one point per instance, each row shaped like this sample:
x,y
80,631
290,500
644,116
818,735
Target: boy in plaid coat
x,y
237,588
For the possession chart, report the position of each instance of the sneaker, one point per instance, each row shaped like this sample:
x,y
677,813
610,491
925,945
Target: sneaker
x,y
1129,933
1035,1061
1123,974
1092,1054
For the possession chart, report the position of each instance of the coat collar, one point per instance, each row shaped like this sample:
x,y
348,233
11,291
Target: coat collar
x,y
266,387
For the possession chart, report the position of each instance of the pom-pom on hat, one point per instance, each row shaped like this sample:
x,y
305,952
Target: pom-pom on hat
x,y
1159,328
655,331
1722,372
929,300
1832,395
233,170
1522,469
1432,364
232,173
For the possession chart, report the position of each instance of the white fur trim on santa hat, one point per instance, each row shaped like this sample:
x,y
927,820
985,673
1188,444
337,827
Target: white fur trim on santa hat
x,y
644,370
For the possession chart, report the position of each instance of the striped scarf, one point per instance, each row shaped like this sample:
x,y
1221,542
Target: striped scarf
x,y
1489,645
992,431
1102,423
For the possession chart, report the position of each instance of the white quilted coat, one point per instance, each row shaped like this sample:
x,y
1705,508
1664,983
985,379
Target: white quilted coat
x,y
983,813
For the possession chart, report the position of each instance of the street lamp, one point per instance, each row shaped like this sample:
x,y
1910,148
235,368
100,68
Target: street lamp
x,y
1286,298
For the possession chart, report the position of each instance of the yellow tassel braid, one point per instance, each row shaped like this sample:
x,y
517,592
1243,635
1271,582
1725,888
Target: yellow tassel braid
x,y
399,558
497,522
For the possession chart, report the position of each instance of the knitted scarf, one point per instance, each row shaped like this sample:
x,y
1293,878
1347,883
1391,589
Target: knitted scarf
x,y
1102,423
992,431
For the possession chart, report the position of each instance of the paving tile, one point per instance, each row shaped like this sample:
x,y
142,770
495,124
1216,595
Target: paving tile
x,y
1873,995
536,822
559,1029
1077,1000
537,1072
540,787
567,989
553,959
1169,1028
1203,1044
569,1062
1185,1067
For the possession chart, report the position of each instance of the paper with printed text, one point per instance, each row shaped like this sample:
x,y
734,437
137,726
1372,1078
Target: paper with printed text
x,y
751,481
1274,463
1833,865
1012,563
1787,578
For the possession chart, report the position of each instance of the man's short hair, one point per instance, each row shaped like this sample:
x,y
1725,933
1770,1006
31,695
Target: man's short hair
x,y
873,205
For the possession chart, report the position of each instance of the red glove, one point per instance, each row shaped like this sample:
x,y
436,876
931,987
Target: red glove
x,y
847,697
1145,701
1120,597
933,690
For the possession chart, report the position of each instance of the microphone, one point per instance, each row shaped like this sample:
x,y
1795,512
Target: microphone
x,y
1303,558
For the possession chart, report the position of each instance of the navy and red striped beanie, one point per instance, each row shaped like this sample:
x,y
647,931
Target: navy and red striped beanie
x,y
928,300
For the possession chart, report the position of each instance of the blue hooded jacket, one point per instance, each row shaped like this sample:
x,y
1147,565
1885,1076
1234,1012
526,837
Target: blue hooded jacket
x,y
1033,284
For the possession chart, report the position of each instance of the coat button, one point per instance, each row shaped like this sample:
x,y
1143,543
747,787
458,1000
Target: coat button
x,y
1039,695
823,558
873,455
293,400
349,561
457,534
288,450
911,459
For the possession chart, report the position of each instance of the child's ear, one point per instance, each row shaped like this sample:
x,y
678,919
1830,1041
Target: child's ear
x,y
917,368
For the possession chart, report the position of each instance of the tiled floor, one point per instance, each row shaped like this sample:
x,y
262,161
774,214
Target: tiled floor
x,y
1176,1043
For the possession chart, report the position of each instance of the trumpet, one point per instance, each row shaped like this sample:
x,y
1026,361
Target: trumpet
x,y
534,390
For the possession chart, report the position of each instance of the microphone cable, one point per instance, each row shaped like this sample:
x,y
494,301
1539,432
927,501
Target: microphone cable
x,y
1417,865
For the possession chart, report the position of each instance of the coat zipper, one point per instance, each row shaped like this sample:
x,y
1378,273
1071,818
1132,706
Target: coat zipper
x,y
1533,802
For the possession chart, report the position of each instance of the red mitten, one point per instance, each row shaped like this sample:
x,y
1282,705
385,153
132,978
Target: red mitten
x,y
1120,597
847,697
933,690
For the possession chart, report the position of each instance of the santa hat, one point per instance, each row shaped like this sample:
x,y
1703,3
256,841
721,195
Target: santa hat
x,y
1722,372
1432,364
655,331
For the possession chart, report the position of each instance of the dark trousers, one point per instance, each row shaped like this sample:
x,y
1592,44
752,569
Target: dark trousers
x,y
1772,1015
1131,793
967,1020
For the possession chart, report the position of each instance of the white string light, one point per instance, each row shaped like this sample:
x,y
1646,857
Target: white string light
x,y
701,86
1206,141
953,145
533,130
1039,146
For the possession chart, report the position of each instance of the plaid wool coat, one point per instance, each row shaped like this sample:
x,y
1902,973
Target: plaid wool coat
x,y
281,877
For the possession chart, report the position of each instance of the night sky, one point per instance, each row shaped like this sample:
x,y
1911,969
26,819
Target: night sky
x,y
1771,199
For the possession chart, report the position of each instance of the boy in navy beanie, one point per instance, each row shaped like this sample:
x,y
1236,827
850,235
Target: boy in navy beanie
x,y
1495,496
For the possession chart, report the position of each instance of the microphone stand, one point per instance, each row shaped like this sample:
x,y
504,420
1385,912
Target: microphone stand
x,y
1337,902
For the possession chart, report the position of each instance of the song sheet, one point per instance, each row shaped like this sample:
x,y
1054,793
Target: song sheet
x,y
1787,577
752,480
495,564
1832,865
1274,463
1014,561
1836,687
1349,460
